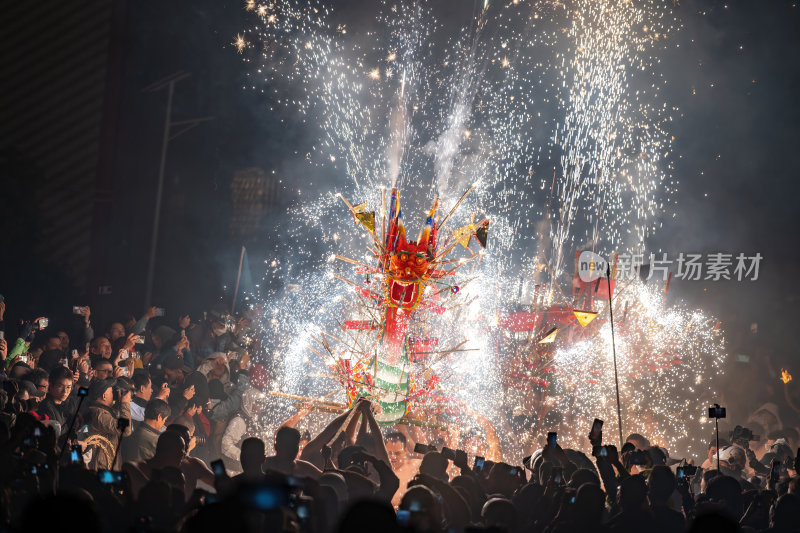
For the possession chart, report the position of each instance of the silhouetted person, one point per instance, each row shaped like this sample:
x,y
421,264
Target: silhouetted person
x,y
634,516
252,457
661,484
285,461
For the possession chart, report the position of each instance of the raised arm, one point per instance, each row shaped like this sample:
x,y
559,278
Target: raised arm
x,y
313,450
377,436
298,416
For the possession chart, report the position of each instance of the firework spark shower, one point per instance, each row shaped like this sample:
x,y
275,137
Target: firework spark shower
x,y
553,111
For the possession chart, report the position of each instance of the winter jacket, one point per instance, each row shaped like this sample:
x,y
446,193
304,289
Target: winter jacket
x,y
104,433
61,413
141,445
232,403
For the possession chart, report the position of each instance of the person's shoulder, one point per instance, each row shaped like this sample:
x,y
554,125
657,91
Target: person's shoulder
x,y
195,463
301,462
45,405
135,468
146,430
307,468
662,513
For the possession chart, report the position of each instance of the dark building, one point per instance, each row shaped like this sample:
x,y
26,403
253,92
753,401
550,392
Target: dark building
x,y
58,90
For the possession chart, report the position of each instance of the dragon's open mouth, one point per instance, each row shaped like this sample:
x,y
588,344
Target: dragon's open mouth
x,y
403,293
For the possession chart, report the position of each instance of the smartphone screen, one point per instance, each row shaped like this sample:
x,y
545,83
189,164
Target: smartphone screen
x,y
303,511
109,477
403,517
265,497
479,463
603,451
680,473
552,439
218,467
597,429
776,470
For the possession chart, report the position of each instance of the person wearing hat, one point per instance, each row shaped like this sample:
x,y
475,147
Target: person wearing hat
x,y
732,461
216,367
34,395
181,381
110,401
240,426
19,399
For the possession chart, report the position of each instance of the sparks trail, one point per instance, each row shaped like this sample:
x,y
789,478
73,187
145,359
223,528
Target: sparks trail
x,y
552,111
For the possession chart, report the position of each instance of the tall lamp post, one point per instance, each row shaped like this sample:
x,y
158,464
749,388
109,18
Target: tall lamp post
x,y
172,130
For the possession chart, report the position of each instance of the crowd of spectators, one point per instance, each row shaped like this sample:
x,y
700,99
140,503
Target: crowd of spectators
x,y
155,426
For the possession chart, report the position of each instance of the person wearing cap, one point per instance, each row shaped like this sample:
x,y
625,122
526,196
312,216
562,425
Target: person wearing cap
x,y
732,461
103,416
182,389
40,379
240,426
216,367
34,395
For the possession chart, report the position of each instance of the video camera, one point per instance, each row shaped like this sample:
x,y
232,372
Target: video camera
x,y
742,435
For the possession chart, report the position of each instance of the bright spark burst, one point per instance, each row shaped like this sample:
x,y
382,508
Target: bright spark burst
x,y
553,109
239,43
663,355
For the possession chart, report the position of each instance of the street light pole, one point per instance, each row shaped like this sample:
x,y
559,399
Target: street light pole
x,y
168,82
151,266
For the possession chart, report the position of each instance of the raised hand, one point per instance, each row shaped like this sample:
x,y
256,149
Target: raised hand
x,y
130,342
163,393
188,392
181,345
